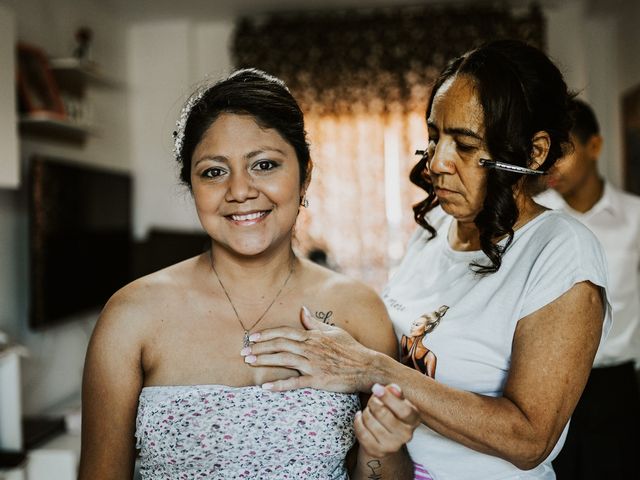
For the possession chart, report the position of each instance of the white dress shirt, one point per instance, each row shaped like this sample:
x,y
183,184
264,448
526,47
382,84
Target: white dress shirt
x,y
615,221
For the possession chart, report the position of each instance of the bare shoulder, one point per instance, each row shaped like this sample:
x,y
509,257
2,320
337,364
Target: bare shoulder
x,y
352,305
133,308
345,292
115,372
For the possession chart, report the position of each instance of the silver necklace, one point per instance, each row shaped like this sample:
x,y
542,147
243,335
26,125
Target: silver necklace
x,y
247,331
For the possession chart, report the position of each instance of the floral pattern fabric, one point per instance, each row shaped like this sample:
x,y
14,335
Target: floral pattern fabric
x,y
221,432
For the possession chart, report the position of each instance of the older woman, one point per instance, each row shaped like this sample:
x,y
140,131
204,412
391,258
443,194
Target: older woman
x,y
164,363
499,304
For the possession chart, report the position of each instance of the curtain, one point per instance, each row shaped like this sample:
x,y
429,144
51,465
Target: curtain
x,y
362,78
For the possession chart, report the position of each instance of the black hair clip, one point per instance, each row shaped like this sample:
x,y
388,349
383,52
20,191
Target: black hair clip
x,y
508,167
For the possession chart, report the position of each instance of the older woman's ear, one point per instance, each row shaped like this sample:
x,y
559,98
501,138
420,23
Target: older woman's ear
x,y
540,149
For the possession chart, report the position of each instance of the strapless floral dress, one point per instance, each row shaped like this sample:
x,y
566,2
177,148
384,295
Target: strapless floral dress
x,y
221,432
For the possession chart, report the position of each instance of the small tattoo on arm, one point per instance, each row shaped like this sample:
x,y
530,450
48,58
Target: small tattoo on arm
x,y
325,316
374,466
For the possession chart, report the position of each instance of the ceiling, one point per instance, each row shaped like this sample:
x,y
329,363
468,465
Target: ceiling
x,y
227,9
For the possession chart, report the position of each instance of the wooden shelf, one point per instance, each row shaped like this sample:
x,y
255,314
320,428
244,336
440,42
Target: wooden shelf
x,y
74,74
72,78
52,126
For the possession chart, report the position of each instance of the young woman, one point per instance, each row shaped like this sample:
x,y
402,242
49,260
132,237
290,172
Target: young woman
x,y
165,371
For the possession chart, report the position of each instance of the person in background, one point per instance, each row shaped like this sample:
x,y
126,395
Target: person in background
x,y
165,371
604,434
499,303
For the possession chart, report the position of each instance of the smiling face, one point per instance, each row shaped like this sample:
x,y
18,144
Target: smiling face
x,y
246,185
456,144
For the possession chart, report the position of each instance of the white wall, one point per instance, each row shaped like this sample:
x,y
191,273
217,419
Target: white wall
x,y
628,41
9,172
53,369
565,41
601,45
166,60
583,43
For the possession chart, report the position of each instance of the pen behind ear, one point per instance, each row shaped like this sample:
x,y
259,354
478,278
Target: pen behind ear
x,y
508,167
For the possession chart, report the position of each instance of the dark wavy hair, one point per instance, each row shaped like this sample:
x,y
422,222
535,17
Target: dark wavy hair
x,y
247,92
521,92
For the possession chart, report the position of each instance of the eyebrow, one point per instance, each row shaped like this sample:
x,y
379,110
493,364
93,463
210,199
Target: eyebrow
x,y
255,153
252,154
458,131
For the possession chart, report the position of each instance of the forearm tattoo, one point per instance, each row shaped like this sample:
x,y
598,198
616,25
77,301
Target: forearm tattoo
x,y
325,317
374,466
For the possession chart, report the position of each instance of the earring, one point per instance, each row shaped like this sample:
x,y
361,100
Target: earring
x,y
304,202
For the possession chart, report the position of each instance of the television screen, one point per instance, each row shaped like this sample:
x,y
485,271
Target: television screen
x,y
80,238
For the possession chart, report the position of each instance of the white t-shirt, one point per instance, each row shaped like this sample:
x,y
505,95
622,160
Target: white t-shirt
x,y
472,339
615,221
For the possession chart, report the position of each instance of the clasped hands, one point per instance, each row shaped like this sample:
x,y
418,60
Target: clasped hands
x,y
328,358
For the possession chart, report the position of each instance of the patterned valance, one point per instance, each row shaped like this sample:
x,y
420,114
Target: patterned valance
x,y
373,61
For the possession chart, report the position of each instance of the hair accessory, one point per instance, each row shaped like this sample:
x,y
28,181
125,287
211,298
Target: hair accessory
x,y
181,123
508,167
246,341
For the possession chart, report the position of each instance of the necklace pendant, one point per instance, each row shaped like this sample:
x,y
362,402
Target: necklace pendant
x,y
245,341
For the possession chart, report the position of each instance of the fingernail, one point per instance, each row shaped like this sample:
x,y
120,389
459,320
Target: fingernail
x,y
377,390
395,387
250,358
267,386
254,337
306,311
245,351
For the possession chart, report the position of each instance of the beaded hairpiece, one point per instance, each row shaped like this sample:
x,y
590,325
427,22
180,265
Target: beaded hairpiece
x,y
181,123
